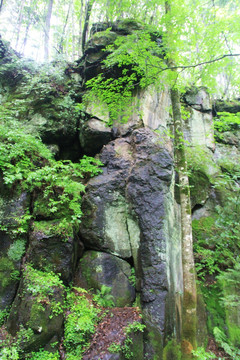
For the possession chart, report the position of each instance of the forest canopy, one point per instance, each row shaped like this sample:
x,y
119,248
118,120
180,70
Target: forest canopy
x,y
201,36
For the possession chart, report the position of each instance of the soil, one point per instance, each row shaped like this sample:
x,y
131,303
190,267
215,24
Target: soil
x,y
110,330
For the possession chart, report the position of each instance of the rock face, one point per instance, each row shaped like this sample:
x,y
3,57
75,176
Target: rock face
x,y
130,212
129,238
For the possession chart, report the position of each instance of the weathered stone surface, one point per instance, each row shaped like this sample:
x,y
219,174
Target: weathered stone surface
x,y
106,196
198,129
97,269
94,133
199,99
137,184
52,250
229,137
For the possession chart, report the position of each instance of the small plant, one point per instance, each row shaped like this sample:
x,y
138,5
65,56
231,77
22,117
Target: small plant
x,y
132,277
103,297
9,353
3,316
201,354
80,322
16,250
222,341
227,121
44,355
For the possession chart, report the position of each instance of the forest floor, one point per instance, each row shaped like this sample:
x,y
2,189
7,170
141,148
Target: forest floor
x,y
111,330
214,348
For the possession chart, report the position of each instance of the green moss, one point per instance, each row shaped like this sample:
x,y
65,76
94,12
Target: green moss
x,y
172,351
7,268
189,326
50,228
155,340
37,318
215,310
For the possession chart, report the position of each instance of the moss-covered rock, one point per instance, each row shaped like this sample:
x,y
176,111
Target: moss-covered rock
x,y
38,307
54,248
97,269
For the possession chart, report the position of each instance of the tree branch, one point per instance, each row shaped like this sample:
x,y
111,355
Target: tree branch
x,y
199,64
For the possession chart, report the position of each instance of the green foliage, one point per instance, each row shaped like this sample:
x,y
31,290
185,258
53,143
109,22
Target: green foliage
x,y
227,121
80,322
103,297
20,153
10,353
130,56
42,285
132,277
41,282
61,186
231,279
201,354
3,316
223,342
216,239
44,355
26,160
16,250
8,272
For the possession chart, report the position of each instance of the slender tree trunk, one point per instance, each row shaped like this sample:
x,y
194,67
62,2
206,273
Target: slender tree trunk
x,y
47,30
1,5
64,29
86,23
19,23
189,304
189,278
25,37
80,31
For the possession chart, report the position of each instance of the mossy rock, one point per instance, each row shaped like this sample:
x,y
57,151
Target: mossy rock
x,y
40,313
54,248
172,351
97,269
200,188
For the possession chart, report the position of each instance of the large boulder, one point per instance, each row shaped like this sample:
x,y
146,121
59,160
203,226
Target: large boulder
x,y
37,308
93,134
129,211
50,249
97,269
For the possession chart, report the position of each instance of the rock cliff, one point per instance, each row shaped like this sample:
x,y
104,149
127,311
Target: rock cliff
x,y
129,237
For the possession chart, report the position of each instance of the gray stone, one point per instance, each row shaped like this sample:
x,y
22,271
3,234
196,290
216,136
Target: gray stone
x,y
199,99
97,269
137,183
93,135
52,250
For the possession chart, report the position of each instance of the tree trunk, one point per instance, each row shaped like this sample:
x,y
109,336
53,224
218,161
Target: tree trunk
x,y
64,29
19,23
47,30
80,31
1,5
189,279
86,24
